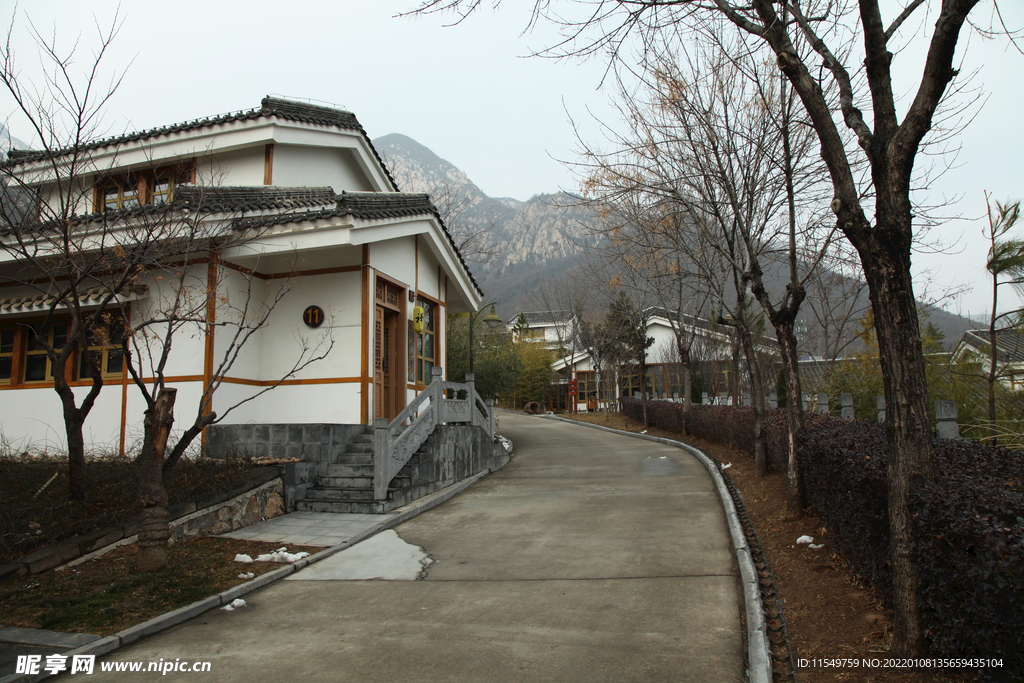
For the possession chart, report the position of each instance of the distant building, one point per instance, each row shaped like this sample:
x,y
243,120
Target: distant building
x,y
711,353
1009,353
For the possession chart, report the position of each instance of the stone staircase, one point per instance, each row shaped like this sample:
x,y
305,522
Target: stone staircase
x,y
347,485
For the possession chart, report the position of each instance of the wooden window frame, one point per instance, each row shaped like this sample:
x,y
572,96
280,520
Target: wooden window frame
x,y
104,348
423,379
28,352
146,183
21,353
12,353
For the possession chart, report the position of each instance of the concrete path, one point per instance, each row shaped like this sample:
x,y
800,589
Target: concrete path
x,y
590,557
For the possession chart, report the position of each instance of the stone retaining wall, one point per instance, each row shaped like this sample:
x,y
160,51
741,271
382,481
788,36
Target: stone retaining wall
x,y
452,453
261,503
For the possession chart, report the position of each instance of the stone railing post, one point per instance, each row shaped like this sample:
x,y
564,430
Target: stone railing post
x,y
746,399
490,417
846,400
880,402
703,398
471,398
822,404
773,399
381,453
945,413
438,396
806,398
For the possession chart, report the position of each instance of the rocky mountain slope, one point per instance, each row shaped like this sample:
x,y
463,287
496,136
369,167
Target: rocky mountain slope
x,y
513,247
510,245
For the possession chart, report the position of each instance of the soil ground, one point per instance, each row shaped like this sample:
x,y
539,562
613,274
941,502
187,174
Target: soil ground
x,y
105,595
829,614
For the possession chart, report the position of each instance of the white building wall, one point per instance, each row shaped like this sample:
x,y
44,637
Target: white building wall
x,y
244,167
300,166
189,344
664,345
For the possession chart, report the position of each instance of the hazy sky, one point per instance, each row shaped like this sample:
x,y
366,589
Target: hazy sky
x,y
468,92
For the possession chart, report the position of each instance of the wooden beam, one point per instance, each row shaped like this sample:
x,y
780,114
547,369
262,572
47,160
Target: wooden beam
x,y
268,164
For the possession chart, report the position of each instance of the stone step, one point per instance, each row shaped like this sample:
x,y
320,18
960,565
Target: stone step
x,y
358,482
342,482
324,493
354,458
371,507
347,470
353,447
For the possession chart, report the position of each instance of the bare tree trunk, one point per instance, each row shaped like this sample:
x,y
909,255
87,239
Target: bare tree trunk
x,y
795,495
907,423
757,393
993,356
643,386
73,423
687,363
152,503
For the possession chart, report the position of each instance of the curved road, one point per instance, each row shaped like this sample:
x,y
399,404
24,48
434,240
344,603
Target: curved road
x,y
589,557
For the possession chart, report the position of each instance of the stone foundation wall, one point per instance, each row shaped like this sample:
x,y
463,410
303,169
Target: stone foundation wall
x,y
261,503
311,442
450,454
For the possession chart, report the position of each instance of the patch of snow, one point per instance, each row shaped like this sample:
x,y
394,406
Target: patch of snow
x,y
281,555
243,558
235,604
816,547
247,575
727,466
383,556
804,539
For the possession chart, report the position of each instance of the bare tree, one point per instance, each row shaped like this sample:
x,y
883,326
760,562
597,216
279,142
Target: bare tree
x,y
197,295
78,259
68,264
874,210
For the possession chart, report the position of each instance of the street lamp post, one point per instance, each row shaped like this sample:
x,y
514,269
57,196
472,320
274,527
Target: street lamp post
x,y
492,321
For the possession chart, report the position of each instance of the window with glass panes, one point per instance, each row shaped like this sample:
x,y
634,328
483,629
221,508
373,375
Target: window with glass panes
x,y
38,366
426,342
129,191
586,385
7,338
104,347
629,380
122,193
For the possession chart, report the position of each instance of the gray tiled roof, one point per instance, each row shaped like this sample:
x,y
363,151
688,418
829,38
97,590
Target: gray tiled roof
x,y
541,317
225,199
253,198
270,107
1009,344
365,206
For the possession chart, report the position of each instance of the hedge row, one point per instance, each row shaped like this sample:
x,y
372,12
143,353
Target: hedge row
x,y
968,524
719,424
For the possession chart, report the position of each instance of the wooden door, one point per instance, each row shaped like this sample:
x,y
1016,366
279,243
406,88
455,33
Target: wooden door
x,y
379,404
386,369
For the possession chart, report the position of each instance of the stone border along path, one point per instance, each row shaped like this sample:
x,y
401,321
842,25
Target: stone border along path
x,y
759,656
165,621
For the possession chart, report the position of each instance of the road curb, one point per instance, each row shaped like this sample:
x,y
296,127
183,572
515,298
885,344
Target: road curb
x,y
759,659
163,622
